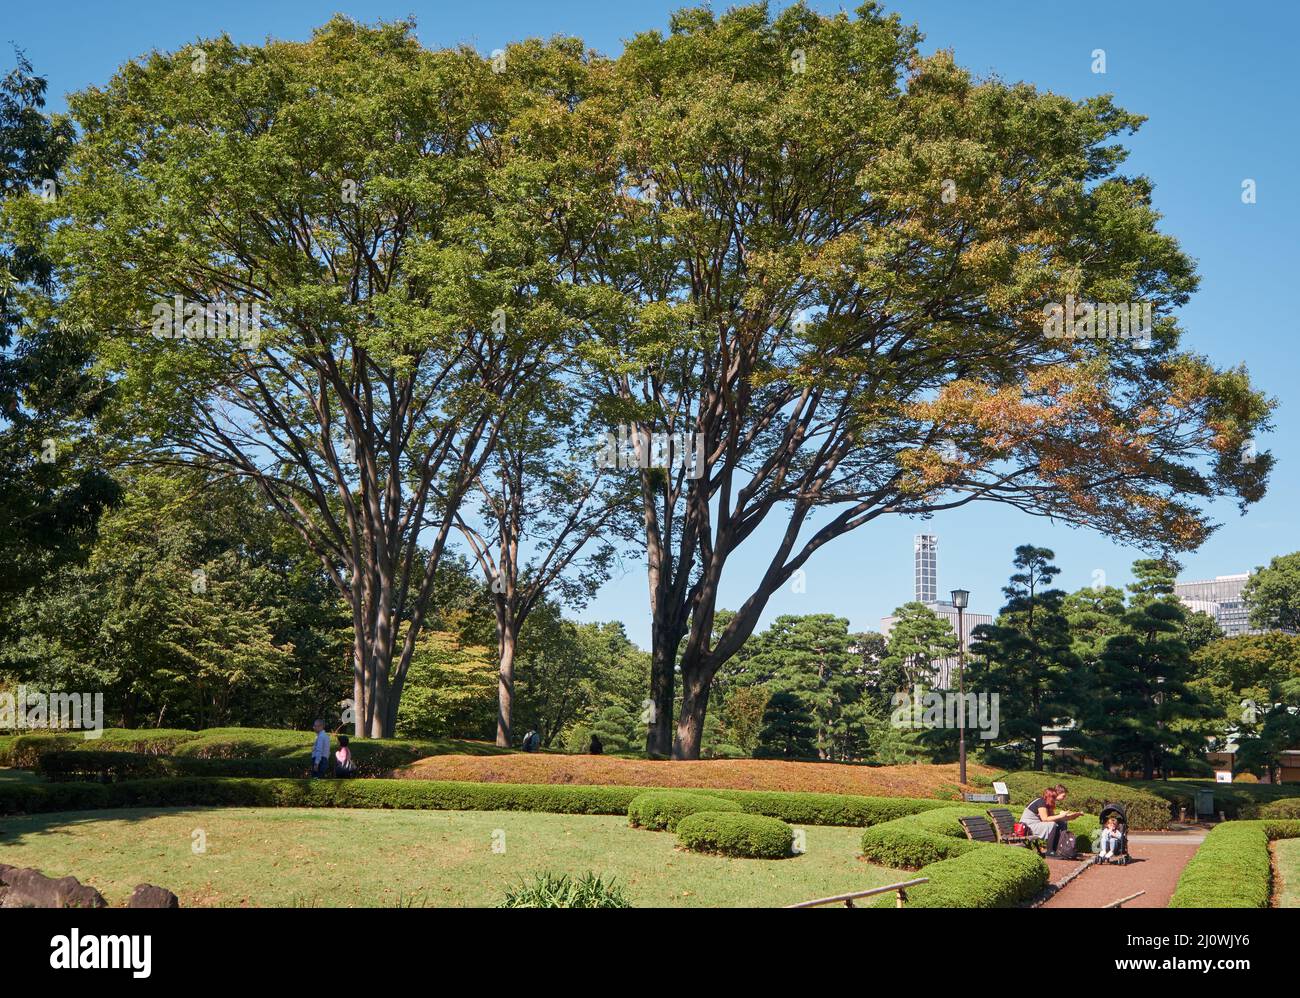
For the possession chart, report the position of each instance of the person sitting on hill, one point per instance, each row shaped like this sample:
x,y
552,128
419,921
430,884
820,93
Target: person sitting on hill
x,y
595,747
344,766
1044,821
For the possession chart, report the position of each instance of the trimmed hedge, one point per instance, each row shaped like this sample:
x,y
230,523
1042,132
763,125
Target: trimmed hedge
x,y
661,810
244,792
932,836
987,876
728,833
1145,809
1287,808
1235,800
803,808
426,794
22,751
1232,869
919,839
111,767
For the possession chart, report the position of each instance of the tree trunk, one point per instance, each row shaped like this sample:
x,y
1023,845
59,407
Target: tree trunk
x,y
1038,751
659,731
506,686
690,727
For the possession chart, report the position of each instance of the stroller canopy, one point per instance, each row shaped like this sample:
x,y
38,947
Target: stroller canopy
x,y
1115,809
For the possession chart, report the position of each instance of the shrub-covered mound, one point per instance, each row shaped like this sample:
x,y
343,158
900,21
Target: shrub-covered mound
x,y
1232,868
1235,800
550,891
121,790
1145,809
986,876
660,810
1288,807
752,836
292,748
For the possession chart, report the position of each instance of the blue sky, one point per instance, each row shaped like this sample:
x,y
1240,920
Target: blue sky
x,y
1217,82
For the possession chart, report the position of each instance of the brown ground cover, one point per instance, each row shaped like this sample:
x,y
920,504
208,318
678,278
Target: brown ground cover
x,y
726,774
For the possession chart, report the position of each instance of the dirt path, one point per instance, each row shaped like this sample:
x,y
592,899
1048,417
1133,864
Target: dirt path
x,y
1158,861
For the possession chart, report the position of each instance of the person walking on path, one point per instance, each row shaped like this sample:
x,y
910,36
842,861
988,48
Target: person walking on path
x,y
320,751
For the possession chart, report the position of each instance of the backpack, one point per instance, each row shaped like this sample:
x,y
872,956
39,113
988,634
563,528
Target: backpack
x,y
1066,847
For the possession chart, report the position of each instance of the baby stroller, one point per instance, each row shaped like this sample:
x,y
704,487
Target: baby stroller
x,y
1121,854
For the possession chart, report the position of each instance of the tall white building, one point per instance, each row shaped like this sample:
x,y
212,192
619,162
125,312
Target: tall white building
x,y
1221,599
926,570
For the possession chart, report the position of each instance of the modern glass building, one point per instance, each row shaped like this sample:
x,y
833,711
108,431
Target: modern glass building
x,y
1219,598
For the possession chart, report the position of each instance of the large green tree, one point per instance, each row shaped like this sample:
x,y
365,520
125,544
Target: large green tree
x,y
1025,656
1273,595
375,202
52,489
831,257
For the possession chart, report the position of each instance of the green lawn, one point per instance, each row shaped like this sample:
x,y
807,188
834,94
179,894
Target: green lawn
x,y
18,776
308,857
1286,859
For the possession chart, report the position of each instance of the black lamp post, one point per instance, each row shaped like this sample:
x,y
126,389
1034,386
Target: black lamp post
x,y
960,599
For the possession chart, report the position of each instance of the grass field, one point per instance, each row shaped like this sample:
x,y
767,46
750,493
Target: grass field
x,y
304,857
723,774
1286,873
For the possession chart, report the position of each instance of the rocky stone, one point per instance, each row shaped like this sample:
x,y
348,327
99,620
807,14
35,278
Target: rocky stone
x,y
32,889
149,896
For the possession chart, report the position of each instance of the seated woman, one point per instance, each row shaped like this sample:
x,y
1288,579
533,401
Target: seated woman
x,y
344,765
1044,821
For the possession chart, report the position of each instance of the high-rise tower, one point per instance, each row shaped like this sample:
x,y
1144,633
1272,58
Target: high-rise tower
x,y
927,568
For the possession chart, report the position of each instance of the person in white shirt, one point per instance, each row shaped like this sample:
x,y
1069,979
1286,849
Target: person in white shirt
x,y
320,752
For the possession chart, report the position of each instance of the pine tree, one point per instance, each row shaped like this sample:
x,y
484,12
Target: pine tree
x,y
788,731
1143,699
1026,657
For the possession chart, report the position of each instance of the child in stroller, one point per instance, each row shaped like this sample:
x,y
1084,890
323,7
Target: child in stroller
x,y
1114,835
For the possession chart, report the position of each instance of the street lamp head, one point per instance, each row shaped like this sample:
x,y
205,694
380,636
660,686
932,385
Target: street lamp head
x,y
960,598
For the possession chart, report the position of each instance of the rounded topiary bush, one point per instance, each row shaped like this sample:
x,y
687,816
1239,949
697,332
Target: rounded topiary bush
x,y
749,835
660,810
1288,807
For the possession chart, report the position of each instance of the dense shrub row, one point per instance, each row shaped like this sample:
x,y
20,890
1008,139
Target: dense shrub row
x,y
1145,809
1232,868
729,833
111,767
801,808
1288,807
986,876
661,810
242,792
931,836
373,756
919,839
1235,800
431,794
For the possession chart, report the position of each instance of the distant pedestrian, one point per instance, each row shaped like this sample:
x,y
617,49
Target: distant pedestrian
x,y
595,747
320,751
344,765
531,741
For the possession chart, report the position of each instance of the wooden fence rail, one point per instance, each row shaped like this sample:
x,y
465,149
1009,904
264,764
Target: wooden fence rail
x,y
848,899
1120,902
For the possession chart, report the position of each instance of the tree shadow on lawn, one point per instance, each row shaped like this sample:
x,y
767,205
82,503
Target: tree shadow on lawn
x,y
24,829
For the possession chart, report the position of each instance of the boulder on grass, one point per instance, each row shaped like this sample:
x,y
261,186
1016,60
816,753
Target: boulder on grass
x,y
32,889
149,896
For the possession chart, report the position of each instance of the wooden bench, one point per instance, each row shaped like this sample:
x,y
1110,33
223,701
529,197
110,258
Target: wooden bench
x,y
978,829
1005,823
